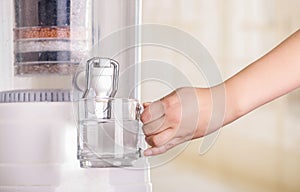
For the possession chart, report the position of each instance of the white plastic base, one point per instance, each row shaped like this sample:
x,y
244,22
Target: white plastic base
x,y
38,149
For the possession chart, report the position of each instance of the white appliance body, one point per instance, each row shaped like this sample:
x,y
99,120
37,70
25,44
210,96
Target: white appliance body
x,y
38,146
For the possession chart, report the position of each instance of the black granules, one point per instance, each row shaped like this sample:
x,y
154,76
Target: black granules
x,y
31,13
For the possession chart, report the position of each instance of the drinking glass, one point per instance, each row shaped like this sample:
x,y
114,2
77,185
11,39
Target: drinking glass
x,y
109,130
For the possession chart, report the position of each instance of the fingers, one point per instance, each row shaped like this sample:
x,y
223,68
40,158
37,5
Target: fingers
x,y
171,120
154,151
153,112
159,150
156,126
146,104
161,119
160,138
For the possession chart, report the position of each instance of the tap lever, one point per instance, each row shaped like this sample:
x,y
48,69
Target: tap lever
x,y
105,81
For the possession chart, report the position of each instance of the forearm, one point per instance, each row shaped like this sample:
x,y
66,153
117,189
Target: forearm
x,y
268,78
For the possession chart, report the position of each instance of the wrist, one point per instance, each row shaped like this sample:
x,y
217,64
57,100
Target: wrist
x,y
234,108
218,106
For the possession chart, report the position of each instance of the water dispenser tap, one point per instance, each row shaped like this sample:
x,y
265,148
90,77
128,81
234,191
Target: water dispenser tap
x,y
102,75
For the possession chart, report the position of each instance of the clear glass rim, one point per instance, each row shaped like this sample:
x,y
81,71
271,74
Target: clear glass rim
x,y
106,99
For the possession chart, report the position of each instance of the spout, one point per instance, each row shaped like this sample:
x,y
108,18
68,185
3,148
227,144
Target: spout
x,y
102,75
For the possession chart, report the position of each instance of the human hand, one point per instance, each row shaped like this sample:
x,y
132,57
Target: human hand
x,y
174,119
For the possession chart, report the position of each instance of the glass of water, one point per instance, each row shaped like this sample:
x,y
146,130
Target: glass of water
x,y
109,132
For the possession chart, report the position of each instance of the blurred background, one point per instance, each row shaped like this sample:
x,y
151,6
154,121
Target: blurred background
x,y
259,152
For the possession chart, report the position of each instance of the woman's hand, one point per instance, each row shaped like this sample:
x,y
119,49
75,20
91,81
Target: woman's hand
x,y
174,119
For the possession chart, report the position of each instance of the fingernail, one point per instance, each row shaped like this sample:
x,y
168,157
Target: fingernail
x,y
148,152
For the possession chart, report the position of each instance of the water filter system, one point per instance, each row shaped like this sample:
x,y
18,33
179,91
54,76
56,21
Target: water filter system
x,y
69,105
